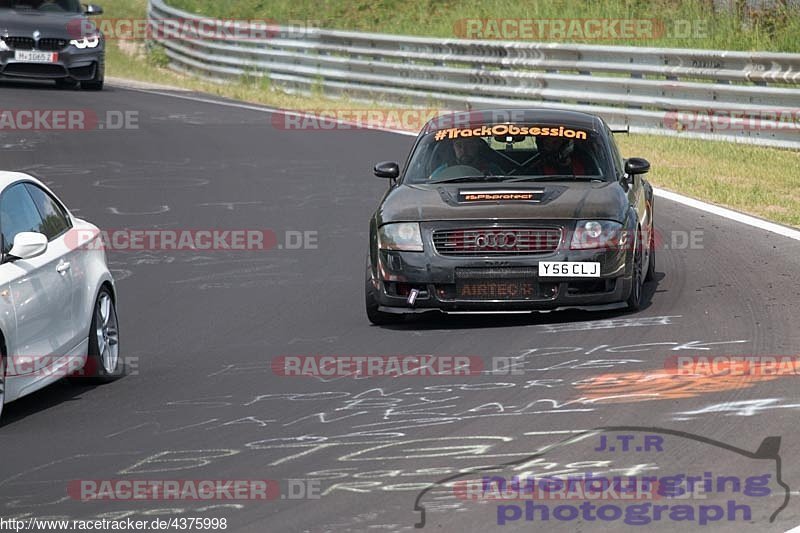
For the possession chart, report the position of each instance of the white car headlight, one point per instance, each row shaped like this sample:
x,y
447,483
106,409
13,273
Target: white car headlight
x,y
3,46
90,41
404,236
591,234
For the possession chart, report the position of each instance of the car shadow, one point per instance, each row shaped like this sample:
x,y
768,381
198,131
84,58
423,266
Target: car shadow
x,y
435,320
51,396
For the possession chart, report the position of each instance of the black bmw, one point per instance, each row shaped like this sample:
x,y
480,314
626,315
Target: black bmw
x,y
51,40
510,210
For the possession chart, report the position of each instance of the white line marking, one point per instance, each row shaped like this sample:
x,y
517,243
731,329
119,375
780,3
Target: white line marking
x,y
730,214
672,196
136,84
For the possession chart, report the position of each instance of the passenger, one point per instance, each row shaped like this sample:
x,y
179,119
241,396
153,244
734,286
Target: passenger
x,y
558,157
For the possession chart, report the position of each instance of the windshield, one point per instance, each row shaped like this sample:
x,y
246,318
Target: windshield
x,y
54,6
509,152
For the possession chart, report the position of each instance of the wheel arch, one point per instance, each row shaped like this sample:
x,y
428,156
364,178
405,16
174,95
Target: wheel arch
x,y
105,280
111,289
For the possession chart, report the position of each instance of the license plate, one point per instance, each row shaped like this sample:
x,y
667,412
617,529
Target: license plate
x,y
568,269
30,56
506,289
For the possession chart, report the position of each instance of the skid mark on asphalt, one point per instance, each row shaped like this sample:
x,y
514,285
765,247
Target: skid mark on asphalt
x,y
151,183
674,383
158,211
230,206
660,385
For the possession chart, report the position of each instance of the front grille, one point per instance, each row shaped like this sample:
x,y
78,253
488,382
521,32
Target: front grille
x,y
19,43
27,43
475,242
496,273
52,45
35,70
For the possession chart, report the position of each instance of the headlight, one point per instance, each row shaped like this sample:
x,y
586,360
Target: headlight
x,y
404,236
90,41
591,234
3,46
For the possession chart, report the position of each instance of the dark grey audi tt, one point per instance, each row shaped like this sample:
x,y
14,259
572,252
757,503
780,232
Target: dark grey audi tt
x,y
52,40
510,210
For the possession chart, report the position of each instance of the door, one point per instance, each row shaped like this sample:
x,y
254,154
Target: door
x,y
41,287
73,259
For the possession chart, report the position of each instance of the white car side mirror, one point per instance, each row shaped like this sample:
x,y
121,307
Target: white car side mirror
x,y
28,245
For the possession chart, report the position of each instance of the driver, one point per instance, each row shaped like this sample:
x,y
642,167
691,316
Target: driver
x,y
558,157
471,152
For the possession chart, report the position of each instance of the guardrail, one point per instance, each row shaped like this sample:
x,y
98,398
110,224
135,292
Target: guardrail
x,y
751,97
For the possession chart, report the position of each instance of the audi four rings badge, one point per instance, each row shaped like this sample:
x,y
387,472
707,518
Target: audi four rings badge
x,y
496,240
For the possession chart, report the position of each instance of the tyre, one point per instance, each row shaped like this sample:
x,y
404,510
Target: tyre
x,y
103,363
634,301
651,265
96,84
379,318
66,84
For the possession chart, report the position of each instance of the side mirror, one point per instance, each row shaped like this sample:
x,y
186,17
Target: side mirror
x,y
28,245
636,165
387,169
92,9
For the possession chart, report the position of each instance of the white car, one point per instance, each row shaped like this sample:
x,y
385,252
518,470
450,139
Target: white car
x,y
57,296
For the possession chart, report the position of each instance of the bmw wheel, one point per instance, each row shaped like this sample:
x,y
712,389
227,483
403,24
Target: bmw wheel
x,y
104,363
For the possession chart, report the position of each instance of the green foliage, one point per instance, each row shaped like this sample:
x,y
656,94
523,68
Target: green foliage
x,y
685,23
157,55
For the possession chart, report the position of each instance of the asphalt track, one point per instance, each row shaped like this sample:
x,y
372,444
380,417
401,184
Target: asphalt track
x,y
203,328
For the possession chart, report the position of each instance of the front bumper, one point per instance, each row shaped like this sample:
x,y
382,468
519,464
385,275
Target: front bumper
x,y
394,274
73,63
